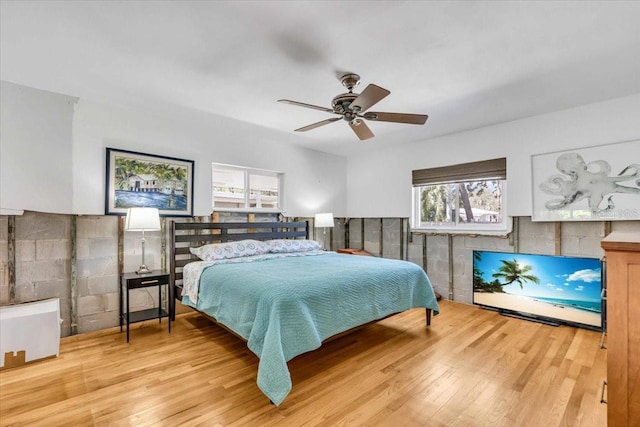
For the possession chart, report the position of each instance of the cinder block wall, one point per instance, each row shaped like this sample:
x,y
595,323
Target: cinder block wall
x,y
44,265
432,251
97,272
42,254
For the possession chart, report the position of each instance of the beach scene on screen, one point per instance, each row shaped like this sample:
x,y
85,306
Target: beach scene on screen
x,y
567,289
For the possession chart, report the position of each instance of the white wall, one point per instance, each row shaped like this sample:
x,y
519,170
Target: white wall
x,y
53,157
313,181
379,184
35,150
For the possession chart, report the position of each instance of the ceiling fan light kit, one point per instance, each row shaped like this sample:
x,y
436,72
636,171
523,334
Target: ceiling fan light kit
x,y
352,107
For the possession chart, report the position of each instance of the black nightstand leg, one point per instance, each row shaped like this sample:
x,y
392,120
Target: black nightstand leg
x,y
120,302
128,314
169,311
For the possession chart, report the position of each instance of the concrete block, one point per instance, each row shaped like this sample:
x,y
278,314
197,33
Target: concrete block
x,y
4,285
82,248
4,227
99,285
90,304
97,321
97,227
542,244
53,249
391,250
355,233
372,229
570,245
4,254
38,271
101,248
583,228
111,301
65,315
337,234
415,253
589,246
25,291
442,290
462,295
627,226
99,266
141,299
82,286
25,250
529,228
41,226
52,289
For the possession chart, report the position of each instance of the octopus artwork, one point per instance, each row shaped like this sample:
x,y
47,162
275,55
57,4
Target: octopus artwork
x,y
591,181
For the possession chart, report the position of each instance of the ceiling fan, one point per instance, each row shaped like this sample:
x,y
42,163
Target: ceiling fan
x,y
352,108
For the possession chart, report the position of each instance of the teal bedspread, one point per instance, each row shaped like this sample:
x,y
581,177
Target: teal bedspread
x,y
287,306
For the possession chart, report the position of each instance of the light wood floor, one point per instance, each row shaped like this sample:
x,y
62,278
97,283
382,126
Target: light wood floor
x,y
472,367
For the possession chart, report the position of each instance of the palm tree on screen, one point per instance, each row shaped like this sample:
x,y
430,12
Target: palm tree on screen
x,y
512,271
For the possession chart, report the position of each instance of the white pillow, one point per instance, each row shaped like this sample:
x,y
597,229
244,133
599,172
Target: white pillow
x,y
281,246
241,248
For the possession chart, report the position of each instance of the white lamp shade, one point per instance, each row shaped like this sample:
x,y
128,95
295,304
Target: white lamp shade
x,y
323,220
142,219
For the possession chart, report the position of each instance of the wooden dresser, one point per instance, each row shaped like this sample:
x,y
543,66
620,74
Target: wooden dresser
x,y
622,251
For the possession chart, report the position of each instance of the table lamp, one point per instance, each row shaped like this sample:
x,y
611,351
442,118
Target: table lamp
x,y
142,219
323,220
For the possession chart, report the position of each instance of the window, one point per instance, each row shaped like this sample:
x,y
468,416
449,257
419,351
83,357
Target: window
x,y
465,198
238,188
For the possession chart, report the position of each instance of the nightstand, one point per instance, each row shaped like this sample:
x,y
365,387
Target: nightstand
x,y
130,281
352,251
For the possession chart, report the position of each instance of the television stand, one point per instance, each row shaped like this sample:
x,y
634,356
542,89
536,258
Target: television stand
x,y
528,317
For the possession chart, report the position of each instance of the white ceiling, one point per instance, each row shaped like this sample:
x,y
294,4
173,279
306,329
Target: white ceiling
x,y
467,64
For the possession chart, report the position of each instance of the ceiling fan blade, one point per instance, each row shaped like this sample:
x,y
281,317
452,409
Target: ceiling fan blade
x,y
317,125
371,95
361,129
414,119
302,104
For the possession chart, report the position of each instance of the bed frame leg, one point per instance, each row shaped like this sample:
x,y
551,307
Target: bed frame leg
x,y
428,314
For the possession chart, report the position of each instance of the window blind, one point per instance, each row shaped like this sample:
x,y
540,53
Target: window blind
x,y
474,171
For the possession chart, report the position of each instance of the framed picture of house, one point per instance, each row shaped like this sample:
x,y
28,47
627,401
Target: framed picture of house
x,y
599,183
147,180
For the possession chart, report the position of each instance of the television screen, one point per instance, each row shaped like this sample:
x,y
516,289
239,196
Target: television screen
x,y
556,289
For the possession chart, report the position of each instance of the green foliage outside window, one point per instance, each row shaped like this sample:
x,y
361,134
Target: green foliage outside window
x,y
464,202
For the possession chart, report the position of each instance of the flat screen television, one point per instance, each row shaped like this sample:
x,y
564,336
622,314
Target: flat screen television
x,y
552,289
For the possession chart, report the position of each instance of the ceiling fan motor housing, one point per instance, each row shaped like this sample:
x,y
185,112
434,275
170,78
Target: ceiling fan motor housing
x,y
350,81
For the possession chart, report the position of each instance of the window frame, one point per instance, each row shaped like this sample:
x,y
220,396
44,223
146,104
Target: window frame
x,y
247,172
488,170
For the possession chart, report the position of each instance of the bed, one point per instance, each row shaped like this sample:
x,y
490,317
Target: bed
x,y
282,294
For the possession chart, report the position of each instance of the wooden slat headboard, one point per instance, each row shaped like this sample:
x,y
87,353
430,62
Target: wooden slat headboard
x,y
185,235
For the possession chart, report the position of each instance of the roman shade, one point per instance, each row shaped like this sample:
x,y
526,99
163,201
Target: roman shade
x,y
474,171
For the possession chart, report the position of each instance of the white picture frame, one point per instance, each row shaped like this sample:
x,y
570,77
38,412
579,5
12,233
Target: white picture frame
x,y
600,183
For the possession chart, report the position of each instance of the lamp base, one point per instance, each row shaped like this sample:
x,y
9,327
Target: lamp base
x,y
143,270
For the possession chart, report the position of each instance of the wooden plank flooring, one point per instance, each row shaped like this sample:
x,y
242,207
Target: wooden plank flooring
x,y
472,367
